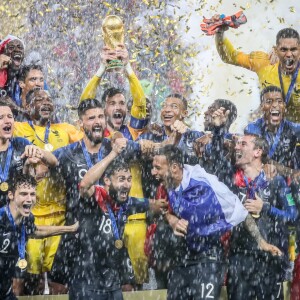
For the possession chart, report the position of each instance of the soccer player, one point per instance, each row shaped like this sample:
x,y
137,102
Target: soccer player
x,y
115,112
201,209
74,161
202,145
282,135
50,207
283,74
16,225
15,151
271,202
104,213
30,77
11,58
173,113
283,140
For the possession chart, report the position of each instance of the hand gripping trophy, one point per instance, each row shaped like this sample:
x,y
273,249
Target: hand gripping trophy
x,y
113,35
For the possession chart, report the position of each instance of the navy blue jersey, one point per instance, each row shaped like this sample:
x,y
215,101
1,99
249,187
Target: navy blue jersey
x,y
278,209
72,168
9,247
16,164
285,151
100,264
185,144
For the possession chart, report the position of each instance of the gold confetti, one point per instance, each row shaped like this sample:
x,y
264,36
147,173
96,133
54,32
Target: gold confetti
x,y
292,9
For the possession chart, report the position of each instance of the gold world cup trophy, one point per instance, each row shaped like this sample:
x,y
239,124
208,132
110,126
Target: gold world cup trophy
x,y
113,35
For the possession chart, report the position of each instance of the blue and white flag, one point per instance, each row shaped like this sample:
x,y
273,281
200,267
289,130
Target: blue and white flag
x,y
206,203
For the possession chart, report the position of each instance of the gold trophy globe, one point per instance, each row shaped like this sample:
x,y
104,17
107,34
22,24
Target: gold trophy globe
x,y
113,35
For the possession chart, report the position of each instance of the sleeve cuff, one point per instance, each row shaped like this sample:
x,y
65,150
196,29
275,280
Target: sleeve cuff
x,y
128,69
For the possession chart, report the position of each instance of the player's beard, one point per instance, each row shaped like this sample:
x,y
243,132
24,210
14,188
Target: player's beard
x,y
94,140
115,195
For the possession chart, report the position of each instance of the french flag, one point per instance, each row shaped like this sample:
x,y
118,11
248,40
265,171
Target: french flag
x,y
206,203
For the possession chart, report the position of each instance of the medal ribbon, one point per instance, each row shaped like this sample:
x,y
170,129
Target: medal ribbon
x,y
4,173
276,140
293,81
115,222
258,183
22,241
47,131
87,155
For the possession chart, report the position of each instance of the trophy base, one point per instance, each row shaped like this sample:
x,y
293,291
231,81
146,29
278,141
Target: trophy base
x,y
115,65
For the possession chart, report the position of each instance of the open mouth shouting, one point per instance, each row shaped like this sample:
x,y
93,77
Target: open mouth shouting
x,y
290,65
117,118
26,208
238,155
168,119
17,58
7,130
275,116
123,194
97,131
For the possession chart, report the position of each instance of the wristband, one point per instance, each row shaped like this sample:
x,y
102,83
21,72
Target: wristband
x,y
100,71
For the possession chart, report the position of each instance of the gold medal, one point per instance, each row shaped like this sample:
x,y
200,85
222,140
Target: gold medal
x,y
118,244
4,186
48,147
22,263
255,216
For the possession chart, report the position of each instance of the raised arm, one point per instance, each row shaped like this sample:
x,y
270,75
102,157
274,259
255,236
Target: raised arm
x,y
138,109
86,188
90,90
253,61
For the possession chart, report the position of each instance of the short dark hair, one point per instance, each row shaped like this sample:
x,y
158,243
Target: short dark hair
x,y
3,102
228,105
19,179
261,143
172,153
180,97
287,33
269,89
110,93
116,165
24,70
87,104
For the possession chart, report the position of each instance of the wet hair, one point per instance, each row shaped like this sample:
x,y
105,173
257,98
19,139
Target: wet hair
x,y
269,89
287,33
228,105
172,153
24,70
87,104
261,143
21,179
4,103
116,166
178,96
110,93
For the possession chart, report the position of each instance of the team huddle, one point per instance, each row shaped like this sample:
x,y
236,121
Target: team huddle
x,y
87,208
